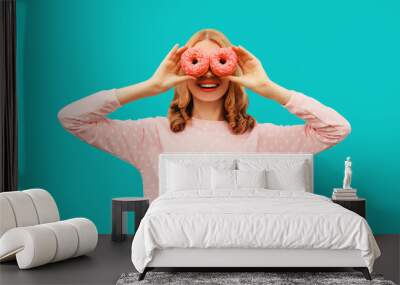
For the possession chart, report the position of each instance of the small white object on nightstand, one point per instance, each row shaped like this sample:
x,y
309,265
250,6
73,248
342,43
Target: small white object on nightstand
x,y
347,173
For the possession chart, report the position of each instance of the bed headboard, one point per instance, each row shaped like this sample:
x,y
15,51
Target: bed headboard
x,y
166,157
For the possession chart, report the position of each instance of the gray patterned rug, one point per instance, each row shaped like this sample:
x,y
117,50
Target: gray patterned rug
x,y
243,278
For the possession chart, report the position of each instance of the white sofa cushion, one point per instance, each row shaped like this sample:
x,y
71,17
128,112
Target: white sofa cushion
x,y
26,208
7,220
67,239
23,208
45,206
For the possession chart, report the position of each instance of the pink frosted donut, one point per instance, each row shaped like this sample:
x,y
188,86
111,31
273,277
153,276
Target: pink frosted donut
x,y
223,61
194,62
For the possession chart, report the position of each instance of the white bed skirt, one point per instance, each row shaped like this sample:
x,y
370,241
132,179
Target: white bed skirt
x,y
236,257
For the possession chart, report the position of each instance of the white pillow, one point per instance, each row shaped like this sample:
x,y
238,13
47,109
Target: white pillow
x,y
223,179
184,174
182,178
288,179
281,174
256,178
229,179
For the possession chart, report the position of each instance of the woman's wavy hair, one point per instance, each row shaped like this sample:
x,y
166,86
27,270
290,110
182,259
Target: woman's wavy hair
x,y
235,99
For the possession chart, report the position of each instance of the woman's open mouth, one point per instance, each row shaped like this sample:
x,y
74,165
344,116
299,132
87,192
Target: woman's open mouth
x,y
208,85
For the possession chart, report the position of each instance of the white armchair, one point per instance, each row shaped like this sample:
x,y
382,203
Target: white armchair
x,y
31,231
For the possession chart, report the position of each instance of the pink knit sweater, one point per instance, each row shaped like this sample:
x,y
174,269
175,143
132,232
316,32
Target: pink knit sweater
x,y
139,142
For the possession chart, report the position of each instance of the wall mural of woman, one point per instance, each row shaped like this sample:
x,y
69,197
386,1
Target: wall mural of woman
x,y
207,113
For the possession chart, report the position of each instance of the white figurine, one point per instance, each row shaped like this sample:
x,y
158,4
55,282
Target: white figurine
x,y
347,174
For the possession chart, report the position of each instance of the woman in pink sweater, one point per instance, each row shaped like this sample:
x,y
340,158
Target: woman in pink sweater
x,y
199,119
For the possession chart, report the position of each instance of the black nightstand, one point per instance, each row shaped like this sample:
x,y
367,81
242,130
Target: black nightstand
x,y
120,207
357,206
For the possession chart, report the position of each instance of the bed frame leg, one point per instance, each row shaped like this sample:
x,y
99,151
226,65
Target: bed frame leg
x,y
143,274
364,271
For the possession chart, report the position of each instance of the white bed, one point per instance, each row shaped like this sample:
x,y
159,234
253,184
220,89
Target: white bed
x,y
249,227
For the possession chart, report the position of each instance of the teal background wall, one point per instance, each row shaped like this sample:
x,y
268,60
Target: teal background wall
x,y
343,53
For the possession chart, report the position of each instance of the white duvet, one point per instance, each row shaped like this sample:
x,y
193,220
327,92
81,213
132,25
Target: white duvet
x,y
251,218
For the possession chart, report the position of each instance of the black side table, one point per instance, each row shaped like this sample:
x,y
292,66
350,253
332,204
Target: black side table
x,y
120,207
357,205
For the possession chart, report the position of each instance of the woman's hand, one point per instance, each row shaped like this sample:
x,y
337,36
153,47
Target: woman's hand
x,y
255,78
163,79
166,77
